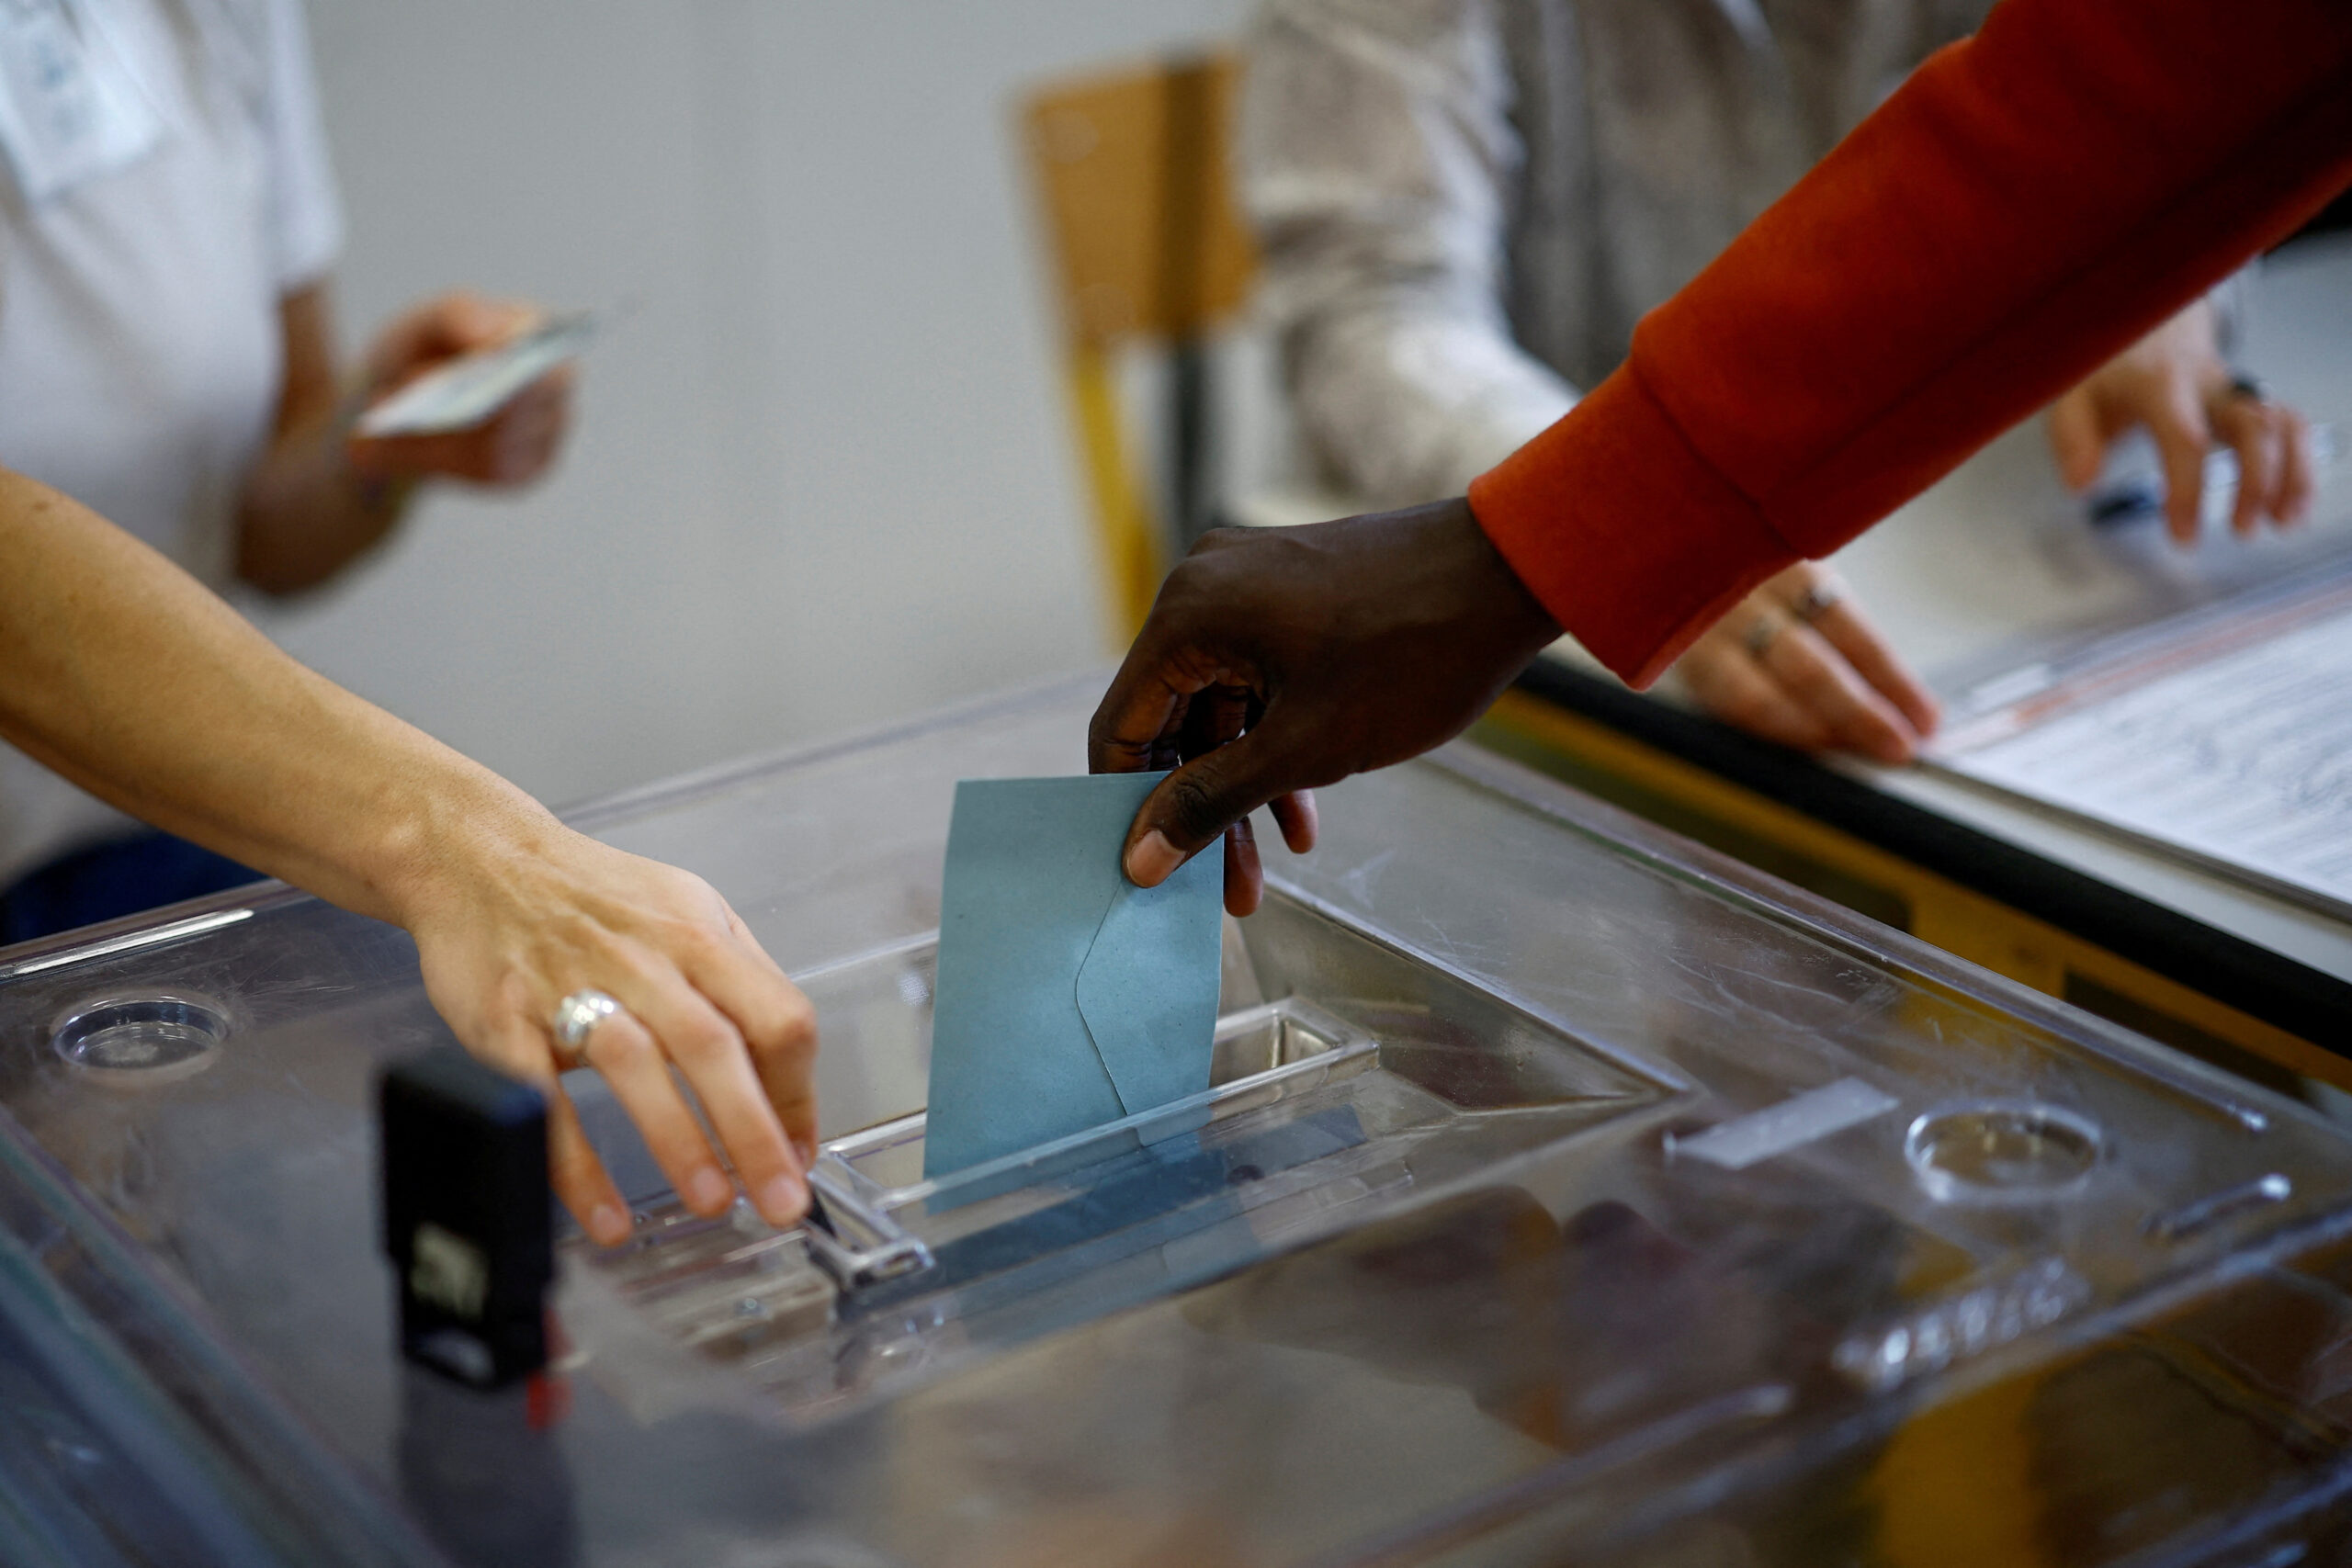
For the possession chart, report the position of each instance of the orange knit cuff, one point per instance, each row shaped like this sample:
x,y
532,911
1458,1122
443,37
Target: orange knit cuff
x,y
1629,537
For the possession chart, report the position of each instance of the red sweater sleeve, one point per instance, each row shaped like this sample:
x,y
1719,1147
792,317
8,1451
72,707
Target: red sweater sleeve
x,y
2028,203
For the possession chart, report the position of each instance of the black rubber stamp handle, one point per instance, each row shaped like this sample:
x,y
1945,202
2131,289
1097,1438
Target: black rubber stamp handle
x,y
468,1220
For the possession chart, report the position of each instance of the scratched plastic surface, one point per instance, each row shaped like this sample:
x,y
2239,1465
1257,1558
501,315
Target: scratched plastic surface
x,y
1668,1217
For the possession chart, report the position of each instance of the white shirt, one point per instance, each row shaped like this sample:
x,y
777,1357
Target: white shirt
x,y
140,350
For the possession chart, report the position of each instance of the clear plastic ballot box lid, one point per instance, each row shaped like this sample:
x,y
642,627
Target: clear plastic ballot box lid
x,y
1564,1193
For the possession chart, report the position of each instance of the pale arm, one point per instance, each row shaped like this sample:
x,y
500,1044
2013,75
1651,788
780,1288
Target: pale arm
x,y
122,672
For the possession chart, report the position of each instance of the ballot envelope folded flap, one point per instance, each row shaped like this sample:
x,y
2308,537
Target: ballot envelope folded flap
x,y
1067,997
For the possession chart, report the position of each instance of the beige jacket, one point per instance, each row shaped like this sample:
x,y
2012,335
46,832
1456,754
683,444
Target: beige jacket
x,y
1466,205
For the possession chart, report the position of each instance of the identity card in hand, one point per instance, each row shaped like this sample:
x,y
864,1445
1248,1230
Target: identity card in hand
x,y
470,389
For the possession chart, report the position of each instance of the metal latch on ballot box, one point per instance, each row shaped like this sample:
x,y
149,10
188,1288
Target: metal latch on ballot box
x,y
856,1244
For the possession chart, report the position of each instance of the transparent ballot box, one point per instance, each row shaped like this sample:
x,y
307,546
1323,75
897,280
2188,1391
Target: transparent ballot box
x,y
1562,1194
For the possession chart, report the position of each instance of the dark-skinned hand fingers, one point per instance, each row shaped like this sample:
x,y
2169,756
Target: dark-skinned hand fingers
x,y
626,1054
1167,753
1231,712
1218,717
1222,715
1132,725
1245,874
1192,807
1379,636
1857,717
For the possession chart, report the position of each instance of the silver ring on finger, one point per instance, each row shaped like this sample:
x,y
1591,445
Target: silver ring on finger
x,y
2245,386
1758,638
578,1015
1817,601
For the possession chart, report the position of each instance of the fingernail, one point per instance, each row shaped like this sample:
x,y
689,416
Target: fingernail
x,y
607,1226
707,1189
782,1201
1153,860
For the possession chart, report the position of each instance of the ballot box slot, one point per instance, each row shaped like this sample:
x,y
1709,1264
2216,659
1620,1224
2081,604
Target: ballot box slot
x,y
1259,1057
1347,1076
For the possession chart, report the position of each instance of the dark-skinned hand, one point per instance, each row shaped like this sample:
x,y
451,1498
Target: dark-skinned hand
x,y
1278,660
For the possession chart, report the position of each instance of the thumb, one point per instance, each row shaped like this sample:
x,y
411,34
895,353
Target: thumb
x,y
1193,806
2075,439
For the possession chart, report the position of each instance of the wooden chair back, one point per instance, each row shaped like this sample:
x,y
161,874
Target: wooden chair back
x,y
1146,241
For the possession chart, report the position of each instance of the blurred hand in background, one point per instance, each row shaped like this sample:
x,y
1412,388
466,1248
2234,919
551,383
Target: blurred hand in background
x,y
2174,382
514,446
320,497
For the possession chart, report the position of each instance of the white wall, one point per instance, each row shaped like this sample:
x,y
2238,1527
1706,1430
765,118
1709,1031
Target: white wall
x,y
823,475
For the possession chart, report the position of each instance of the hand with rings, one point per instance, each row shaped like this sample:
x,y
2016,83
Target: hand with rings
x,y
1798,663
168,703
571,953
575,1016
2174,382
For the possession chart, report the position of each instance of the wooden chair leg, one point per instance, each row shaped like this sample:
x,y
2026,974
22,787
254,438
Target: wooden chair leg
x,y
1133,558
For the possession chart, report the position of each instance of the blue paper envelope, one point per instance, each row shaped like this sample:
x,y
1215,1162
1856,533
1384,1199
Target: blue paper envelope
x,y
1067,996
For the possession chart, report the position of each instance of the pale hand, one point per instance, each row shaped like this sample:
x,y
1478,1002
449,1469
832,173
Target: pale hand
x,y
1832,684
2174,382
512,447
543,912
